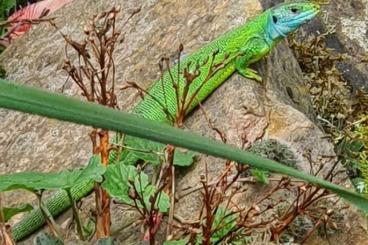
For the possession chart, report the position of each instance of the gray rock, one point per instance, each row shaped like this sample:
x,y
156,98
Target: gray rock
x,y
348,21
278,109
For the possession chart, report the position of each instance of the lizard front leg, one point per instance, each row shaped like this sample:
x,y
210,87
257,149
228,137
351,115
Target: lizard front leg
x,y
251,52
248,72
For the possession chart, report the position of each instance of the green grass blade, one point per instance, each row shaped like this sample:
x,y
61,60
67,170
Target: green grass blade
x,y
57,106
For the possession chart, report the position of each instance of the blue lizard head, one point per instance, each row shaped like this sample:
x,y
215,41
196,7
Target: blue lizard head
x,y
287,17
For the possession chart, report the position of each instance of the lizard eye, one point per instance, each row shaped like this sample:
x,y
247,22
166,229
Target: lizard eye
x,y
274,18
294,10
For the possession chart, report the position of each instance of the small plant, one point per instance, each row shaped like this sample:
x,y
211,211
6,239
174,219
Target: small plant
x,y
341,110
184,84
5,7
131,187
94,74
37,183
18,16
358,152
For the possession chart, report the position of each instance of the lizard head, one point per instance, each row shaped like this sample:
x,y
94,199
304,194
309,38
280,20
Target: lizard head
x,y
287,17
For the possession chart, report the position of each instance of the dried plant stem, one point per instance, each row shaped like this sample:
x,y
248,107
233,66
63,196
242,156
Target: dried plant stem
x,y
48,217
5,237
209,218
171,170
6,39
103,219
76,215
302,202
103,212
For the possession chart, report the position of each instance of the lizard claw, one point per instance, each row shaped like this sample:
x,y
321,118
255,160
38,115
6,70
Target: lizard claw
x,y
250,73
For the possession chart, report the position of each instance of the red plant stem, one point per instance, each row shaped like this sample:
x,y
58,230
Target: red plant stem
x,y
103,219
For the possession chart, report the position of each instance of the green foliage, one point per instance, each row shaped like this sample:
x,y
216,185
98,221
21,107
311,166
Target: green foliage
x,y
9,212
5,6
89,227
125,183
363,167
183,159
47,239
353,150
2,70
35,101
355,146
34,181
225,221
260,175
360,147
156,154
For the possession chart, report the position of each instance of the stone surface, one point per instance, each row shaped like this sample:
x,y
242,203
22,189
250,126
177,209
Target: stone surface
x,y
346,23
243,109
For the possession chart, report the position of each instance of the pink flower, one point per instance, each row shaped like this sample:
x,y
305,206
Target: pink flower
x,y
31,12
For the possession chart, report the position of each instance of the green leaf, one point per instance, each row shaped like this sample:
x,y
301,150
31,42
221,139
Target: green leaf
x,y
47,239
116,181
356,146
184,159
9,212
122,180
35,101
156,156
163,202
224,222
5,7
34,181
260,175
89,227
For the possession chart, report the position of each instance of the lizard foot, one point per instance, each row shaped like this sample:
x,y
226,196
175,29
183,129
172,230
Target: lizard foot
x,y
250,73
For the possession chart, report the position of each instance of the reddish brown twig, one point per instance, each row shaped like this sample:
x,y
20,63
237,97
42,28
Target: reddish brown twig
x,y
94,74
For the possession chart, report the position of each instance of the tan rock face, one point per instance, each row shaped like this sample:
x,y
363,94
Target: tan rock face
x,y
243,109
36,59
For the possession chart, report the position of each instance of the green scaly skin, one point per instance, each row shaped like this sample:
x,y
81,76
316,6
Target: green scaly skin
x,y
242,46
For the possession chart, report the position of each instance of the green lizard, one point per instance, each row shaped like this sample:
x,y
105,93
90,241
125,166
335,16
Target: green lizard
x,y
241,47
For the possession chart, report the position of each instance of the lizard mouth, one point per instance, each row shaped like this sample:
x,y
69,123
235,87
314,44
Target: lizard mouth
x,y
308,15
290,24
